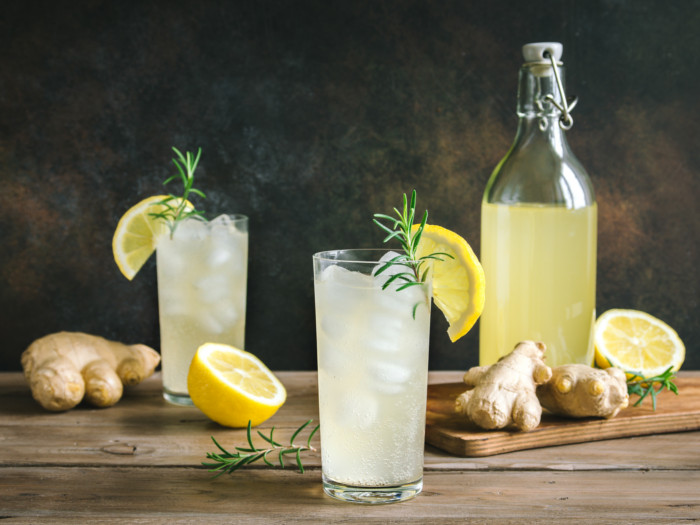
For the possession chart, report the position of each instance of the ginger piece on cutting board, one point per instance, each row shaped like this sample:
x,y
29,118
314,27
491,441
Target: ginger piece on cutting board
x,y
582,391
504,394
64,367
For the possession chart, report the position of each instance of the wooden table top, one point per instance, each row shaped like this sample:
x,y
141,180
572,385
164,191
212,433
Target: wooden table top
x,y
139,462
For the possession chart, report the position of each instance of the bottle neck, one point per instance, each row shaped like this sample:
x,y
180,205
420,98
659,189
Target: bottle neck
x,y
537,87
540,168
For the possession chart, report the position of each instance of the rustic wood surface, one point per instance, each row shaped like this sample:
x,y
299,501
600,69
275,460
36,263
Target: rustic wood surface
x,y
139,462
451,432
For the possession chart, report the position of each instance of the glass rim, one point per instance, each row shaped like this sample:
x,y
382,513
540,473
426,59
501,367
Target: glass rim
x,y
326,255
233,216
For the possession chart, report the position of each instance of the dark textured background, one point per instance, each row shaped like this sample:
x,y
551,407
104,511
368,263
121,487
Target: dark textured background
x,y
312,115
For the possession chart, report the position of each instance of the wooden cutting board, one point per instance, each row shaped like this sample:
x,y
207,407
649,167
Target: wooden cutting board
x,y
452,433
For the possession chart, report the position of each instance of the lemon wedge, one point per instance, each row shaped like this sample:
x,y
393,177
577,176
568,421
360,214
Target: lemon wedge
x,y
637,342
137,234
232,386
458,283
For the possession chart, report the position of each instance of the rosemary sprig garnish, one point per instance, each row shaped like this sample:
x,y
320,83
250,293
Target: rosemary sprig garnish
x,y
228,462
178,208
401,229
644,386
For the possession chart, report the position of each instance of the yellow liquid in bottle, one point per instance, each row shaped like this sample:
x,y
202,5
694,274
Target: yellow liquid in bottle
x,y
540,268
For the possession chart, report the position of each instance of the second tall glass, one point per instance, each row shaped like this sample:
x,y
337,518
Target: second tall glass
x,y
202,276
372,377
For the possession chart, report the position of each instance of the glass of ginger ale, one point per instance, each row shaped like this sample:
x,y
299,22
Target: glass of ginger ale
x,y
372,376
202,275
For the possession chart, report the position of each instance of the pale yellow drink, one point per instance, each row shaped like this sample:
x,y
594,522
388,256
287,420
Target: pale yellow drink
x,y
202,275
372,378
544,258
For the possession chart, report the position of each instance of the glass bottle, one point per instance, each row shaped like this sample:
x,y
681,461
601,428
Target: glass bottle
x,y
539,228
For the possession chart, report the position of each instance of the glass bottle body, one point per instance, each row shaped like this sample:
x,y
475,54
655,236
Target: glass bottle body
x,y
538,237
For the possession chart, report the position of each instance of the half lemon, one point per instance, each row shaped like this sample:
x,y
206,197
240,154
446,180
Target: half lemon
x,y
637,342
232,386
458,282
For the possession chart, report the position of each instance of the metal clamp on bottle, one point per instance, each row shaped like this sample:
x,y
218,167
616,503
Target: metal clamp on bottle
x,y
566,121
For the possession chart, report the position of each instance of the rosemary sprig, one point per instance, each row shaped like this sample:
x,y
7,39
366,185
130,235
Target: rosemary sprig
x,y
178,208
228,462
401,229
644,386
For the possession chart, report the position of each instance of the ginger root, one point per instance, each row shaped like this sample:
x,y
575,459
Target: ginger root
x,y
583,391
64,367
503,394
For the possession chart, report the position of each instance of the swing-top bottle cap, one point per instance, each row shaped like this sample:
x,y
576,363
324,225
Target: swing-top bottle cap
x,y
540,51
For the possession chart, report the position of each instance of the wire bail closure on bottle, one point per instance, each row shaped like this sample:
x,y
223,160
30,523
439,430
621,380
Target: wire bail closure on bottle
x,y
566,121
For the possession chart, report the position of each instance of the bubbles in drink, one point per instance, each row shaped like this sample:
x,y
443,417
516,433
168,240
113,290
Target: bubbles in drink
x,y
357,409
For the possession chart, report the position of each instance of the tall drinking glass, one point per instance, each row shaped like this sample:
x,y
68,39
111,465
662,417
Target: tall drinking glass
x,y
372,377
202,275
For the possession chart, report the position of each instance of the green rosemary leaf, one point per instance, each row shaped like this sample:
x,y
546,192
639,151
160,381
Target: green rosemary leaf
x,y
311,435
412,209
298,458
415,307
438,256
424,275
269,439
180,172
383,227
386,217
392,235
222,449
243,449
267,461
250,439
401,261
296,433
404,276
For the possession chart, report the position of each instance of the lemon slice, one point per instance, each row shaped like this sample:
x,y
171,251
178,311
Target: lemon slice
x,y
637,342
232,386
137,234
458,284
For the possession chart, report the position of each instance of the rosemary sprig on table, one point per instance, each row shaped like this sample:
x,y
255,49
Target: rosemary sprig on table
x,y
179,208
228,462
402,230
644,386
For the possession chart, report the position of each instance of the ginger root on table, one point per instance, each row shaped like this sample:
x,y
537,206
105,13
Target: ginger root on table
x,y
582,391
503,394
64,367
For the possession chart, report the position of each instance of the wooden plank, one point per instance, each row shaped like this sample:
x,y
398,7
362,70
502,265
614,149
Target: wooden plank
x,y
453,433
186,446
165,495
145,430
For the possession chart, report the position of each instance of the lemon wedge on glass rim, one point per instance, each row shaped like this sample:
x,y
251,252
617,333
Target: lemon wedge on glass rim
x,y
637,342
458,283
232,386
137,233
